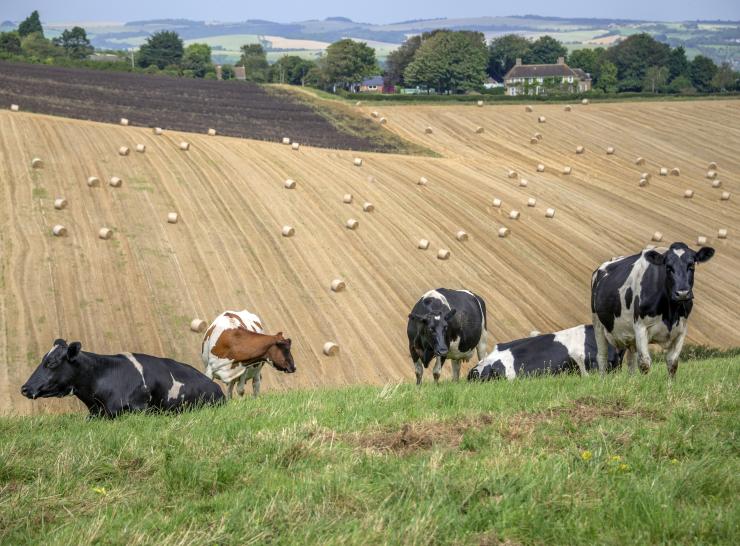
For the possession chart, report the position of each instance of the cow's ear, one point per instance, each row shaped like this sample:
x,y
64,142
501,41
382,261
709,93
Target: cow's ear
x,y
655,258
61,342
704,254
279,335
73,350
450,314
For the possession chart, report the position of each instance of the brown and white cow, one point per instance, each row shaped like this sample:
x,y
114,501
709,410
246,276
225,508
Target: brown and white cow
x,y
235,348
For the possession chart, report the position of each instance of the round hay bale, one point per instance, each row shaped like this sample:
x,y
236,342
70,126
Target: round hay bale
x,y
711,174
657,236
534,333
580,149
675,171
531,202
422,181
461,236
295,146
610,150
368,207
423,244
347,198
184,146
59,230
540,168
480,103
383,121
157,131
358,103
14,107
533,140
286,140
688,194
716,183
198,325
172,217
643,182
288,231
701,240
124,121
105,233
428,130
663,171
725,196
93,181
722,233
584,101
538,136
712,166
357,162
523,183
640,161
115,182
123,150
337,285
141,148
503,231
511,174
528,108
567,170
550,213
646,176
497,203
351,223
330,348
479,130
374,114
567,108
541,119
36,163
371,179
289,184
514,214
60,203
211,132
443,254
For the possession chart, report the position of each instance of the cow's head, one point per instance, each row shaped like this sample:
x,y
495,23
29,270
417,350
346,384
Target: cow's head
x,y
280,356
56,374
434,329
679,262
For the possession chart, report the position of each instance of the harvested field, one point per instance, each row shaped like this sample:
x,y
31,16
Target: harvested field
x,y
140,289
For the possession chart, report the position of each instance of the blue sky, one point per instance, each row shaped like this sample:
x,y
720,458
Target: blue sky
x,y
372,11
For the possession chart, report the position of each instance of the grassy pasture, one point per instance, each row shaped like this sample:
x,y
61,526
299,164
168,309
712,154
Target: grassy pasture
x,y
557,460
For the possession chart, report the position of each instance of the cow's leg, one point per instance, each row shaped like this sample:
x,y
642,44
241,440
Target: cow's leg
x,y
455,370
242,383
482,347
230,392
256,382
634,359
419,369
643,350
674,351
581,362
437,371
602,345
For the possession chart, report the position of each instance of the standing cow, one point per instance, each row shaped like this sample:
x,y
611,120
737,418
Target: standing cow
x,y
560,352
645,298
446,324
113,384
235,348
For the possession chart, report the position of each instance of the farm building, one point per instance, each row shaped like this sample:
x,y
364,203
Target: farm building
x,y
373,85
492,84
539,79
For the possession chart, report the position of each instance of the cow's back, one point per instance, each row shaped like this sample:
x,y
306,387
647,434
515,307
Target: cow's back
x,y
174,385
611,283
228,320
469,321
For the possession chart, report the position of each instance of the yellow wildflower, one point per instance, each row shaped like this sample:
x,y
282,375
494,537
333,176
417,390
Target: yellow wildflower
x,y
586,455
100,490
616,458
624,467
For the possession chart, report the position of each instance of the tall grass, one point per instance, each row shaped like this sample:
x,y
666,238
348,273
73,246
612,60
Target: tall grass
x,y
554,460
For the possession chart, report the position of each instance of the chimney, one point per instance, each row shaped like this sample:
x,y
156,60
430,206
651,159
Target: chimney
x,y
518,61
561,60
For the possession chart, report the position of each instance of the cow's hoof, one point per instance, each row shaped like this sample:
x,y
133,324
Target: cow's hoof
x,y
436,378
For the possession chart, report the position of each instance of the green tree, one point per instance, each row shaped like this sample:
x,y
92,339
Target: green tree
x,y
608,77
725,78
36,47
678,64
655,78
545,50
634,56
701,71
450,62
161,49
587,60
31,25
75,43
197,58
681,84
503,53
347,62
254,60
399,59
291,69
10,43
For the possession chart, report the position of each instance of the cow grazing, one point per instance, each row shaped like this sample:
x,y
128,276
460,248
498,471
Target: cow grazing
x,y
235,348
113,384
566,351
645,298
446,324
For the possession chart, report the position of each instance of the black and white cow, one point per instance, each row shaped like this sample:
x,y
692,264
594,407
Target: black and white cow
x,y
446,324
645,298
566,351
113,384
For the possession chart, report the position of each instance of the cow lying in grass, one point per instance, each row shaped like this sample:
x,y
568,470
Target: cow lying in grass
x,y
569,350
113,384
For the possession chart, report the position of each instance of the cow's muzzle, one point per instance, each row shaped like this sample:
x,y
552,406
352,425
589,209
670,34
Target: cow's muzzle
x,y
28,392
683,295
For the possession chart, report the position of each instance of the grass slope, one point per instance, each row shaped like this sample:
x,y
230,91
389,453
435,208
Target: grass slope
x,y
627,460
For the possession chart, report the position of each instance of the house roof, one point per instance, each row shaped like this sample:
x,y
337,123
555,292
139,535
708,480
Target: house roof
x,y
375,80
538,71
581,74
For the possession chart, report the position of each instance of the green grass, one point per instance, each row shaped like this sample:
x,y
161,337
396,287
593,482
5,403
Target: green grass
x,y
557,460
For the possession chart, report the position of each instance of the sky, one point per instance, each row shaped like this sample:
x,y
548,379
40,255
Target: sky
x,y
369,11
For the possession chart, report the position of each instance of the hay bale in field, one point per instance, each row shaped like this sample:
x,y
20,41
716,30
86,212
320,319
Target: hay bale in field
x,y
480,103
36,163
712,166
497,203
514,214
523,183
374,114
657,236
288,231
60,203
610,150
567,108
428,130
503,231
725,196
528,108
711,174
643,182
580,149
124,121
688,194
358,103
347,198
422,181
461,236
675,171
211,132
289,184
383,121
540,168
351,223
541,119
105,233
443,254
533,140
14,108
550,213
663,171
423,244
357,162
479,130
722,233
141,148
646,175
286,140
701,240
371,179
198,325
567,170
337,285
115,182
123,150
93,181
172,217
511,174
157,131
584,101
640,161
368,207
538,136
59,230
184,146
531,202
330,348
295,146
716,183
